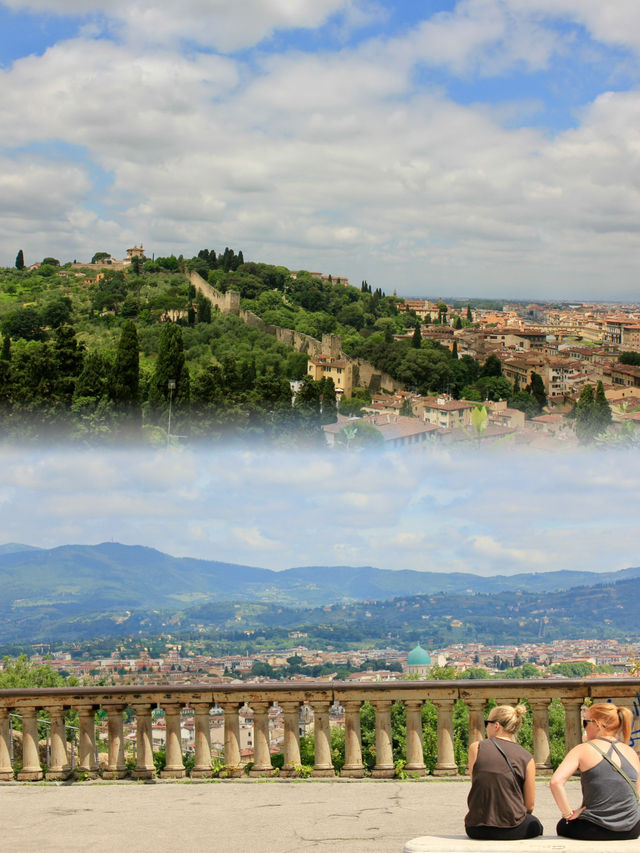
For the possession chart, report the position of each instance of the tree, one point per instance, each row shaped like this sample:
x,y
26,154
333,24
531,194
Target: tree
x,y
125,383
99,257
416,340
170,366
20,260
601,409
492,366
23,323
50,262
469,314
586,428
632,358
57,312
536,389
329,414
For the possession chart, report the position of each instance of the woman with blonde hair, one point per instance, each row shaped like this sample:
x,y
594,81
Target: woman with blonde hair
x,y
503,781
609,775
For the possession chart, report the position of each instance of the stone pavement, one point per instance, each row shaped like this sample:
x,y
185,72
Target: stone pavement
x,y
243,816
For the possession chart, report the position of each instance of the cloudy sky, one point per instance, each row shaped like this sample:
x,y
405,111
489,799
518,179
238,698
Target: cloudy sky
x,y
487,513
438,147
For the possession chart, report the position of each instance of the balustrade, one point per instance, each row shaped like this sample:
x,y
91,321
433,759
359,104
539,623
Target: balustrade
x,y
286,702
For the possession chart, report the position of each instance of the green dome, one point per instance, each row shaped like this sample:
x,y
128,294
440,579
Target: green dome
x,y
418,657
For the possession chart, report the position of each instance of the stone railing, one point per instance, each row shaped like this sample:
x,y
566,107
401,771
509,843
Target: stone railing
x,y
290,697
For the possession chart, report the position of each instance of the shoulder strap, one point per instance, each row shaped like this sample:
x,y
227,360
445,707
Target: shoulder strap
x,y
616,768
506,758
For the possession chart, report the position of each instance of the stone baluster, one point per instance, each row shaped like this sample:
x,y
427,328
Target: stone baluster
x,y
232,757
323,766
31,769
116,765
261,751
174,766
6,769
477,727
59,767
446,765
415,752
145,768
353,766
87,764
202,765
384,767
572,722
291,712
541,747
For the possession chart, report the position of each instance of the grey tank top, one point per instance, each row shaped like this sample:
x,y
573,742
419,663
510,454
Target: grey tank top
x,y
607,795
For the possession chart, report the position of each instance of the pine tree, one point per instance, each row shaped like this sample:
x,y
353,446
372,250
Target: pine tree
x,y
170,366
20,260
416,340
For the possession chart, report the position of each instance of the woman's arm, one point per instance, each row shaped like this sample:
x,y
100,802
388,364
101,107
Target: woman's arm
x,y
473,754
530,786
560,778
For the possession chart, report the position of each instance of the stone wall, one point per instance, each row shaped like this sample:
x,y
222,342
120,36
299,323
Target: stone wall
x,y
331,345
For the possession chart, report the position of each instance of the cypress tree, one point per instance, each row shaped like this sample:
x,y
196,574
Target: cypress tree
x,y
585,426
20,260
125,381
416,340
601,409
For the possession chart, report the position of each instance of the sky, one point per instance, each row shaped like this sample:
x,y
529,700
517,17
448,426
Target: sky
x,y
482,512
432,147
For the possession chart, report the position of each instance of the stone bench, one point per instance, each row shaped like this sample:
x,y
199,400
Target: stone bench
x,y
459,843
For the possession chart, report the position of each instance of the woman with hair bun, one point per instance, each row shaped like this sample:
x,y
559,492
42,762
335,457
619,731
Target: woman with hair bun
x,y
503,781
609,775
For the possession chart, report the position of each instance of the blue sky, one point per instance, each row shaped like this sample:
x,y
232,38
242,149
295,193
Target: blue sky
x,y
468,147
486,513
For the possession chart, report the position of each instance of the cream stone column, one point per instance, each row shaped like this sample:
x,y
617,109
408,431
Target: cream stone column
x,y
59,767
202,766
572,722
87,741
384,768
145,768
174,766
476,719
232,758
261,753
31,770
446,765
415,752
353,766
6,770
116,765
323,766
541,748
291,712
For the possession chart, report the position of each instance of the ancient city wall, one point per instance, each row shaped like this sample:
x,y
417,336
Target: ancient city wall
x,y
331,345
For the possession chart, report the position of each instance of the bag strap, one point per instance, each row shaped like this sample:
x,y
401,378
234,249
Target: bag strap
x,y
615,767
506,758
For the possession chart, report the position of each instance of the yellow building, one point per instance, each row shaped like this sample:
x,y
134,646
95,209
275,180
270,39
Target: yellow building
x,y
338,369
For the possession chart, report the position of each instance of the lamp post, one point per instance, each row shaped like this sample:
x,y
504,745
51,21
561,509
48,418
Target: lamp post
x,y
171,385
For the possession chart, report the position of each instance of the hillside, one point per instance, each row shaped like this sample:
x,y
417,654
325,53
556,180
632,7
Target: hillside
x,y
83,591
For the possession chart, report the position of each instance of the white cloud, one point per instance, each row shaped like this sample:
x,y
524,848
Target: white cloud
x,y
488,546
223,25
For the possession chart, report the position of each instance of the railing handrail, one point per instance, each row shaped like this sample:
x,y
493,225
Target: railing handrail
x,y
459,689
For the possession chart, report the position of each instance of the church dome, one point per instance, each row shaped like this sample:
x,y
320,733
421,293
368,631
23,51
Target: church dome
x,y
418,657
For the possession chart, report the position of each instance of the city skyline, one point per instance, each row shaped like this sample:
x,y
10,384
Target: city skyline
x,y
477,147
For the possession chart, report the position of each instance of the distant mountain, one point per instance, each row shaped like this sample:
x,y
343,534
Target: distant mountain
x,y
15,547
95,588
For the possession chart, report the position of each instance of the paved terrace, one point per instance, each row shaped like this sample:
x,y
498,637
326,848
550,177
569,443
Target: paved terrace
x,y
255,816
